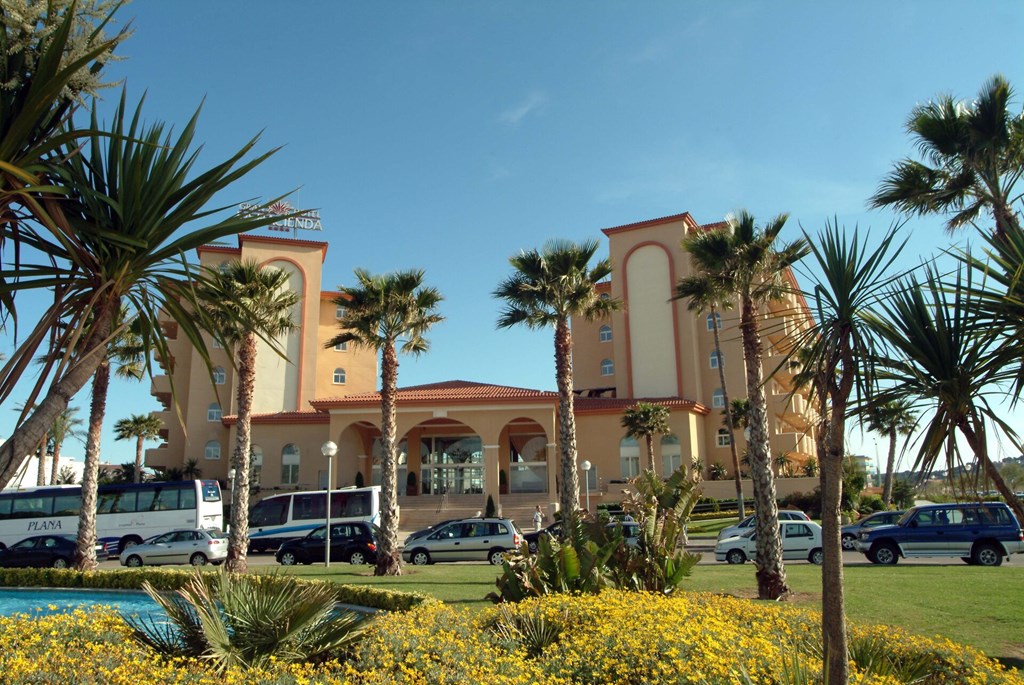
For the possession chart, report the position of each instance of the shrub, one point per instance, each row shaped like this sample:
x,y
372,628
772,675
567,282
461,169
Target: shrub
x,y
490,510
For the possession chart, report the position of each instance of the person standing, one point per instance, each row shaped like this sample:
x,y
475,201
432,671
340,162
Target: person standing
x,y
538,518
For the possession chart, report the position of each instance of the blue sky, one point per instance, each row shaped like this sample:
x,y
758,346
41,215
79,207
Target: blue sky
x,y
450,135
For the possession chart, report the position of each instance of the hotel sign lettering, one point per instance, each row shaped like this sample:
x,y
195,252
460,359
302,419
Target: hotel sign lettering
x,y
308,220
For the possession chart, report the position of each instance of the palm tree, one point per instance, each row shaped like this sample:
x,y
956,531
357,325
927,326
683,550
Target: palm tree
x,y
705,294
142,427
944,363
836,355
974,156
378,313
745,260
548,288
117,245
65,426
644,420
191,470
243,302
892,420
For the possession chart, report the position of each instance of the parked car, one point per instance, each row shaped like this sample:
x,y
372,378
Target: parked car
x,y
427,531
800,540
749,522
879,518
44,551
196,546
981,533
466,540
355,543
630,533
554,531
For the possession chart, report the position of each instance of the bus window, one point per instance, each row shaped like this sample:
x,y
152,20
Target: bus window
x,y
187,497
145,500
358,504
270,512
211,491
339,501
163,499
32,506
308,506
124,504
5,506
67,505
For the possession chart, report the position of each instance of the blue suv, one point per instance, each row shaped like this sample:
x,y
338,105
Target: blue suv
x,y
980,533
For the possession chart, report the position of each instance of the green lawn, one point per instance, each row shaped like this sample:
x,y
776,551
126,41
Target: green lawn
x,y
981,607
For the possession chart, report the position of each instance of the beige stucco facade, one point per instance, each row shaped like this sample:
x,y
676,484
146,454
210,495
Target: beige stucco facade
x,y
472,439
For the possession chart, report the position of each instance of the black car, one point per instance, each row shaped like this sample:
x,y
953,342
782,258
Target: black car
x,y
355,543
554,530
43,551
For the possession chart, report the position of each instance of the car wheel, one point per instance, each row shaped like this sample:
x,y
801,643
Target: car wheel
x,y
885,553
134,561
848,541
532,547
287,559
60,562
198,559
987,555
496,557
357,558
421,557
817,557
735,556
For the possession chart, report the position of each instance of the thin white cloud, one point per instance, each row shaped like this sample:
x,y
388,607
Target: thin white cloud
x,y
513,115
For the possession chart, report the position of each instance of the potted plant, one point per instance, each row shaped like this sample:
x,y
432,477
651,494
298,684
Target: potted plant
x,y
360,480
410,484
502,482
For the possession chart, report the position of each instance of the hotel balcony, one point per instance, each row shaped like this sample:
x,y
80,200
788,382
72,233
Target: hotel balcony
x,y
799,444
793,411
161,390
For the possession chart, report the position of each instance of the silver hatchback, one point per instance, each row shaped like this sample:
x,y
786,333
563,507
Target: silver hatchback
x,y
475,539
197,546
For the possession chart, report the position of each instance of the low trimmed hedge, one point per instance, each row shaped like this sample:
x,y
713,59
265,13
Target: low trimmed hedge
x,y
172,579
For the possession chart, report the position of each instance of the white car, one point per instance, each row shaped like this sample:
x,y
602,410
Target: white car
x,y
748,523
197,546
801,540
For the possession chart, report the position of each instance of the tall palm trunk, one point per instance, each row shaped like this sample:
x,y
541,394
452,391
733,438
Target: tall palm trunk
x,y
771,572
569,497
736,475
890,467
85,554
974,431
41,461
57,398
388,561
55,467
138,459
238,541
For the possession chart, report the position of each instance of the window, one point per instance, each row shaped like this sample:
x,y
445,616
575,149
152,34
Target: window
x,y
339,376
255,465
671,455
216,344
605,296
605,334
214,413
629,457
714,320
718,399
716,359
290,464
219,376
607,367
339,312
724,440
212,450
341,347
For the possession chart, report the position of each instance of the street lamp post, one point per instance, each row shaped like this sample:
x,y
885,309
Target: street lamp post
x,y
586,477
328,449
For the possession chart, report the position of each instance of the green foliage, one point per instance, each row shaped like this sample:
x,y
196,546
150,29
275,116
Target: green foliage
x,y
248,621
360,480
811,467
532,629
807,502
717,472
903,493
489,509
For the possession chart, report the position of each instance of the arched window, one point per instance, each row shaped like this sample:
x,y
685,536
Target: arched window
x,y
213,412
671,455
724,439
714,319
339,376
607,367
212,450
219,376
255,465
716,359
604,334
629,457
718,399
290,464
341,347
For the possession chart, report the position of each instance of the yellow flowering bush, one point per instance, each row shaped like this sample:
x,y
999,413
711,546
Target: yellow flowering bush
x,y
615,637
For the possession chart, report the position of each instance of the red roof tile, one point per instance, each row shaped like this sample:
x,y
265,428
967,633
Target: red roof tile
x,y
604,405
447,391
290,417
685,217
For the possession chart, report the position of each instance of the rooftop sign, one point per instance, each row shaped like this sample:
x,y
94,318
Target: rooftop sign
x,y
308,220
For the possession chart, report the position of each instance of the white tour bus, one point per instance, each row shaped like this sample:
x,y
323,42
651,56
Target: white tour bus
x,y
127,513
277,518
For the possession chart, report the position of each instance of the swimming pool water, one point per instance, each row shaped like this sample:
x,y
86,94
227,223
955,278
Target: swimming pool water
x,y
46,601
